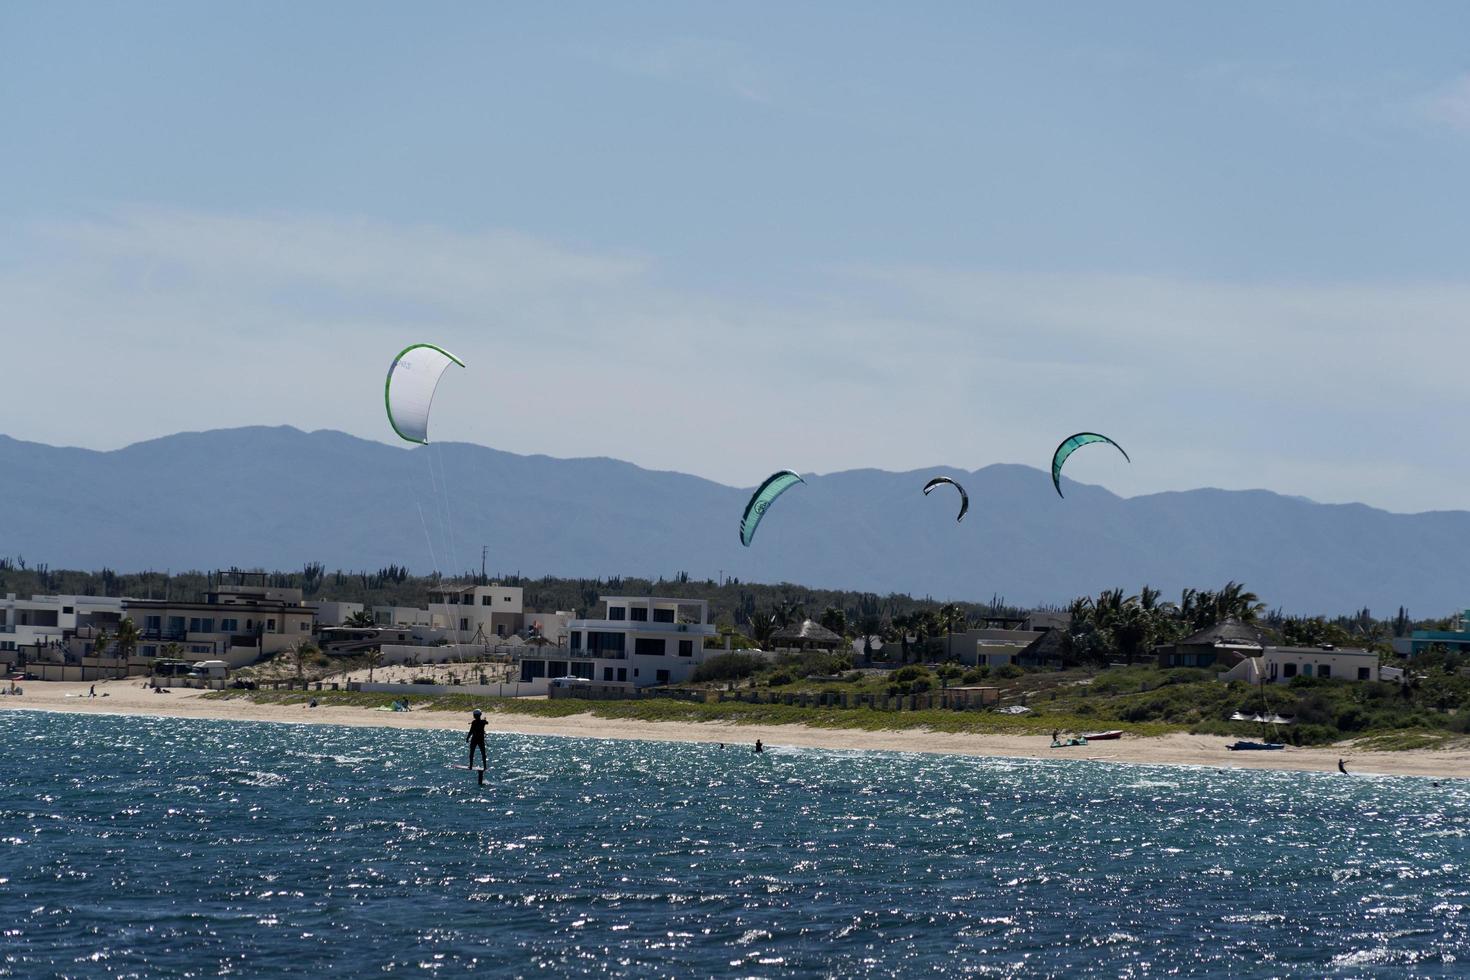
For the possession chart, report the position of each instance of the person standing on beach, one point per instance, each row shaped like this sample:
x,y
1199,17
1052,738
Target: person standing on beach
x,y
476,737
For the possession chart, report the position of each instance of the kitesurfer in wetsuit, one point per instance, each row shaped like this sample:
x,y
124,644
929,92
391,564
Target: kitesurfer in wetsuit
x,y
759,747
476,738
1341,768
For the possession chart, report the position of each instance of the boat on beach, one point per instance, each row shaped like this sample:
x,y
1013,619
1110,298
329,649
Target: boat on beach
x,y
1108,736
1245,746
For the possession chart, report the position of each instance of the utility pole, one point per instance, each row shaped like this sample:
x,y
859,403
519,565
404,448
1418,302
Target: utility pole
x,y
484,551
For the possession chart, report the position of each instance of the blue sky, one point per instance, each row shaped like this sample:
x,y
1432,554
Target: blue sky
x,y
731,238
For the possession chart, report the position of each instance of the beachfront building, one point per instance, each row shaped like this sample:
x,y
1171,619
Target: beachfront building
x,y
241,620
477,613
30,628
332,613
641,641
1456,640
805,635
1225,644
1280,665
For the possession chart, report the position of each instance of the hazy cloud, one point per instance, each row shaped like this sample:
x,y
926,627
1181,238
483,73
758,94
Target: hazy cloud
x,y
194,320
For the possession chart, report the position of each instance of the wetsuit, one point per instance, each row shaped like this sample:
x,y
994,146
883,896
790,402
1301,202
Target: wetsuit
x,y
476,737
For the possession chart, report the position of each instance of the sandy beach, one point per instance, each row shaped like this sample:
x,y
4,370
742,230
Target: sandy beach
x,y
129,697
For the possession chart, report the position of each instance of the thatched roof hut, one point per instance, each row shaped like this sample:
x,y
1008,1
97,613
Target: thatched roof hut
x,y
806,635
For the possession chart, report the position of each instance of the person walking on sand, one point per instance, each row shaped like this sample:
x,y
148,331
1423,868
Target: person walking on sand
x,y
92,691
476,737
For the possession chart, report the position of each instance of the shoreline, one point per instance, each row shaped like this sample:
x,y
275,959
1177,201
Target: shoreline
x,y
1178,749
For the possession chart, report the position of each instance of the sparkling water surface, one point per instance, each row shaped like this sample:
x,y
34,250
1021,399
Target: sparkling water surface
x,y
141,847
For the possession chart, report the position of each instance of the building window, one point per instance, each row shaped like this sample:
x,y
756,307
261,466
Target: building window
x,y
686,648
608,644
582,670
1288,670
1324,670
229,626
663,615
623,674
270,625
661,677
576,639
556,668
500,629
506,599
464,625
176,626
617,613
648,647
150,651
606,673
303,627
532,669
485,600
639,614
1365,674
154,623
66,610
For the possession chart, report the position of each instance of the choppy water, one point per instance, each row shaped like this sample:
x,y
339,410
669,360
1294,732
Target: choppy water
x,y
136,847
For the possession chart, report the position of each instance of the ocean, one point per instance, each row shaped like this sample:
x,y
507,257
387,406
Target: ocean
x,y
143,847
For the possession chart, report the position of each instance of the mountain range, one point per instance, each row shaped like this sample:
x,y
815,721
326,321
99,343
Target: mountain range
x,y
280,498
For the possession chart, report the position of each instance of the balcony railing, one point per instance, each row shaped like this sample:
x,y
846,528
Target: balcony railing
x,y
642,626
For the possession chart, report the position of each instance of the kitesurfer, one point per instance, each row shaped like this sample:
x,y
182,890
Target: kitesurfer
x,y
759,748
476,737
1342,768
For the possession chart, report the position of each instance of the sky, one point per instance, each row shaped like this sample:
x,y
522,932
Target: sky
x,y
726,239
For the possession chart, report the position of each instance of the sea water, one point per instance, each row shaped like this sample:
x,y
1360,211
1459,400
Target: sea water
x,y
139,847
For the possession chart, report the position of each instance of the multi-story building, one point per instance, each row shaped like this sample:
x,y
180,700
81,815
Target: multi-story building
x,y
238,622
477,613
49,622
642,641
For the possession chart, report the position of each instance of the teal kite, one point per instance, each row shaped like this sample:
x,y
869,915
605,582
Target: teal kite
x,y
1069,446
765,495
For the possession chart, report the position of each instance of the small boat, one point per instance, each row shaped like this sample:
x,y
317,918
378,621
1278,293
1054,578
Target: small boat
x,y
1108,736
1244,746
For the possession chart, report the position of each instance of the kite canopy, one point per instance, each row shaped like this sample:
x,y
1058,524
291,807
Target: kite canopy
x,y
409,390
765,495
1069,446
964,497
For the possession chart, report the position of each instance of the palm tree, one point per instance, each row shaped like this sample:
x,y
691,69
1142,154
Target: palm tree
x,y
871,625
901,624
99,646
300,653
950,616
835,620
372,658
362,619
127,642
762,626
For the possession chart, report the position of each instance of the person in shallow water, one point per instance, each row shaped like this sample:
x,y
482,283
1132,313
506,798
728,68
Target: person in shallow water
x,y
1341,768
758,746
476,737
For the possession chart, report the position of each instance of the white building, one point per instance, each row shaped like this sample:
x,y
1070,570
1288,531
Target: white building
x,y
49,621
477,613
1279,665
331,613
643,641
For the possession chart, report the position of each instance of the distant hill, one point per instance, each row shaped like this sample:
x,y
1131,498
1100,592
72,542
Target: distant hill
x,y
279,497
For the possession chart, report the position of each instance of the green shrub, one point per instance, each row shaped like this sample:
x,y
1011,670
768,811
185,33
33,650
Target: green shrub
x,y
1009,671
975,675
920,685
727,667
910,673
779,678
